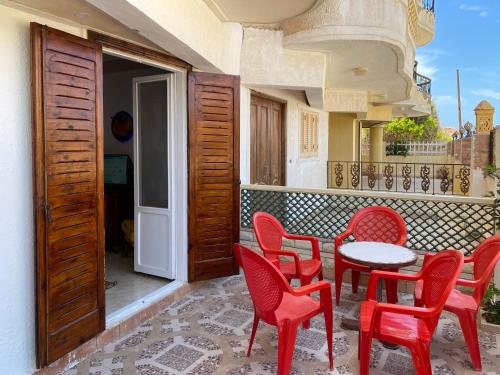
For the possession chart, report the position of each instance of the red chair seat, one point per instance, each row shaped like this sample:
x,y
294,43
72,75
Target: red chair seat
x,y
301,307
456,302
310,267
394,327
459,301
410,326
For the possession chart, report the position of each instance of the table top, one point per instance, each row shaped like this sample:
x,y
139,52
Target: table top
x,y
377,254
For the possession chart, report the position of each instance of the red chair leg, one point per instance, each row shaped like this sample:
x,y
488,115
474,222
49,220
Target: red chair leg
x,y
252,336
355,280
329,332
365,346
468,323
422,358
320,275
339,273
391,288
287,354
282,342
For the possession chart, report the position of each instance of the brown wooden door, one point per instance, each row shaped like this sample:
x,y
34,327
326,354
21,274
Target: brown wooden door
x,y
214,180
68,186
267,158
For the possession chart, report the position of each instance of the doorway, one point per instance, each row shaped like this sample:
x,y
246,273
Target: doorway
x,y
267,159
137,163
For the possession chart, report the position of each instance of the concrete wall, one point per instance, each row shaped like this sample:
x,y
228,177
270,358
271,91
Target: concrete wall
x,y
17,310
300,172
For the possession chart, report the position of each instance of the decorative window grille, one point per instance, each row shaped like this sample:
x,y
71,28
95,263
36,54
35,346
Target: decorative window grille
x,y
309,134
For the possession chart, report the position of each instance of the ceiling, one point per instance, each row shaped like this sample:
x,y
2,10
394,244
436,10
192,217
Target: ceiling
x,y
83,13
258,11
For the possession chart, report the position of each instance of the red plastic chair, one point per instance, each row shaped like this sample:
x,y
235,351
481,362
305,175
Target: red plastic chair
x,y
278,304
466,306
410,326
270,234
376,224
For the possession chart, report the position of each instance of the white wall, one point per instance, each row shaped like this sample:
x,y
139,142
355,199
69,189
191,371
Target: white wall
x,y
17,285
300,172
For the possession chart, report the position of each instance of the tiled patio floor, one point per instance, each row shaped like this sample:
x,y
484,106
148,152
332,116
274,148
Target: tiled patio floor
x,y
207,332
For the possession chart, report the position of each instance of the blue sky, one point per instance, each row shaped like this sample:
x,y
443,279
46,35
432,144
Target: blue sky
x,y
467,38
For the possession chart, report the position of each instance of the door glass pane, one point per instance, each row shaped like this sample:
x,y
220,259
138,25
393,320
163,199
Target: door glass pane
x,y
153,143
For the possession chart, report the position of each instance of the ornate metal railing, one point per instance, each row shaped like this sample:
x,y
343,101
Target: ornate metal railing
x,y
424,178
424,83
428,5
433,223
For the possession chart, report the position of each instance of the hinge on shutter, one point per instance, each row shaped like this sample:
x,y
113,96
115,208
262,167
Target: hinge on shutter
x,y
48,214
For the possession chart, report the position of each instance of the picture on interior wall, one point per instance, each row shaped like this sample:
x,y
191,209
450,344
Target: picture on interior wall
x,y
122,126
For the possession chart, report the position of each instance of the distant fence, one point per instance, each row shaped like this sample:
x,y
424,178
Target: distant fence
x,y
413,148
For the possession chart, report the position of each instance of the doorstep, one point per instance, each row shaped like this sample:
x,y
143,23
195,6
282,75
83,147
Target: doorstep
x,y
119,330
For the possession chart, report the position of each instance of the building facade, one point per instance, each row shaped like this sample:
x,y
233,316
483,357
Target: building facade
x,y
251,94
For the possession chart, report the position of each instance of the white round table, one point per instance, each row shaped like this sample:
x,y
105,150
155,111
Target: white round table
x,y
376,256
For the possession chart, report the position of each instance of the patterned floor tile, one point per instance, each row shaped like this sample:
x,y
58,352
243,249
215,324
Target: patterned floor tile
x,y
207,332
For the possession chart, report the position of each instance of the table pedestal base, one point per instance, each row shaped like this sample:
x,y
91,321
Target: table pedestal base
x,y
350,324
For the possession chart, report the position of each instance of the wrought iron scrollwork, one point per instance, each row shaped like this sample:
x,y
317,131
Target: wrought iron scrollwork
x,y
389,179
371,175
424,175
464,177
406,174
444,175
355,175
339,175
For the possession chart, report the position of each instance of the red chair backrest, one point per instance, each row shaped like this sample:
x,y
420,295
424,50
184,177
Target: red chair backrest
x,y
378,224
265,282
485,258
269,233
439,277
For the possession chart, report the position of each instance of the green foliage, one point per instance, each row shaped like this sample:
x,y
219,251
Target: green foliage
x,y
491,307
404,129
421,129
397,148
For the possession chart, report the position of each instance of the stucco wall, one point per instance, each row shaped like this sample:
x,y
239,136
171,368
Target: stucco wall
x,y
343,137
187,29
300,172
17,310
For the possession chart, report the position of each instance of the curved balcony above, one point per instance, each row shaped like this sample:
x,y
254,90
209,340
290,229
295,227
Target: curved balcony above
x,y
425,23
368,44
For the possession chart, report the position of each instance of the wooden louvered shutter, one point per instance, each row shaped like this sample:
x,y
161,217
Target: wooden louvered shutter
x,y
68,188
214,181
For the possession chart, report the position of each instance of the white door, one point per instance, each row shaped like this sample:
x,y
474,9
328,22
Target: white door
x,y
152,170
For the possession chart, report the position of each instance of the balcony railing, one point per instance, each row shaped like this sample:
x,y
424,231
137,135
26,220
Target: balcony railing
x,y
428,5
423,83
433,223
423,178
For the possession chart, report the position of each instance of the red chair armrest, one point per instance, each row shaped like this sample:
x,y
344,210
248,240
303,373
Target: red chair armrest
x,y
341,237
469,259
311,288
314,243
288,253
376,275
